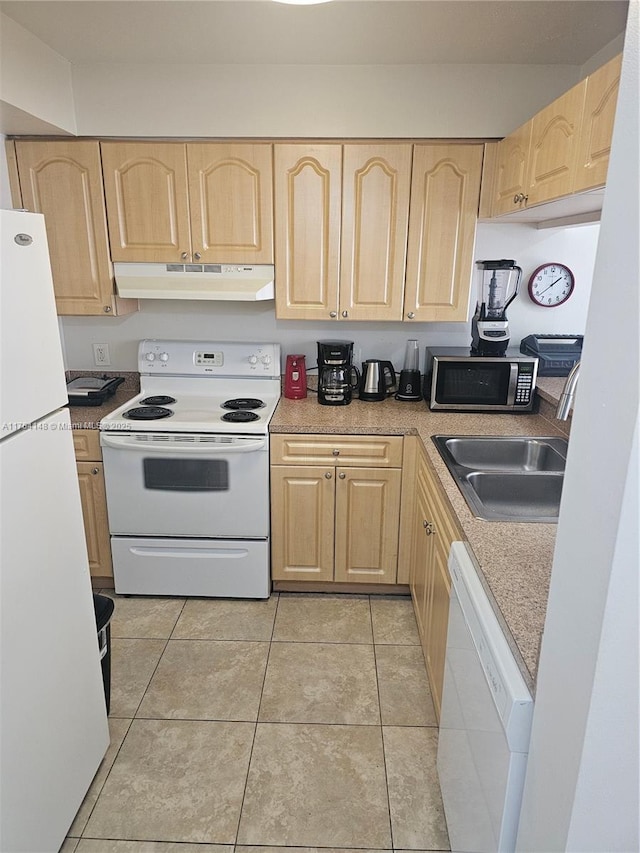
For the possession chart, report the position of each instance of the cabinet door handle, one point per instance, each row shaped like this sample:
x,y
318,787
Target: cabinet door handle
x,y
107,309
342,475
345,314
336,452
197,256
430,529
410,315
95,470
328,475
333,314
185,256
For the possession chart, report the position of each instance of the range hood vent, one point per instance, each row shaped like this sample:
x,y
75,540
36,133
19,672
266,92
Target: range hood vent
x,y
224,282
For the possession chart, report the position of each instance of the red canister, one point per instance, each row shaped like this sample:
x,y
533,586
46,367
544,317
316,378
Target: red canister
x,y
295,378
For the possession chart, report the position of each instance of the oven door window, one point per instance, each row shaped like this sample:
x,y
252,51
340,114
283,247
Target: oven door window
x,y
480,384
186,475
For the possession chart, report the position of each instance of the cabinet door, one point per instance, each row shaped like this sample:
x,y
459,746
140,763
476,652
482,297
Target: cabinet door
x,y
63,181
445,189
510,172
231,203
597,126
145,186
307,180
438,617
376,181
367,525
94,512
553,153
302,523
421,557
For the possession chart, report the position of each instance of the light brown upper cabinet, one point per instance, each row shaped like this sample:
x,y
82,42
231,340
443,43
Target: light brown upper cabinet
x,y
345,216
376,180
198,202
512,160
341,230
553,151
63,180
563,150
308,193
445,189
597,125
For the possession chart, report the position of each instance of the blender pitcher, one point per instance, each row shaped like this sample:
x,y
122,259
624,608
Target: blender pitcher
x,y
497,288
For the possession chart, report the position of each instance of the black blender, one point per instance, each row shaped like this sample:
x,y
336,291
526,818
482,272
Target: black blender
x,y
497,288
409,386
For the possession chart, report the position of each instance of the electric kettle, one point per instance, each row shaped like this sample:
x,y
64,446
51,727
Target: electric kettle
x,y
378,380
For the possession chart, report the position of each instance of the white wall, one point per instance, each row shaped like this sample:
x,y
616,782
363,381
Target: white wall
x,y
603,55
581,791
305,100
34,79
229,321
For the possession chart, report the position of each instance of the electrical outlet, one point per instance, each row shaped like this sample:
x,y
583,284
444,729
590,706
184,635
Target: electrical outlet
x,y
101,355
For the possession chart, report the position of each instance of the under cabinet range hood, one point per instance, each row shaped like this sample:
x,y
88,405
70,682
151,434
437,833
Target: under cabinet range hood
x,y
222,282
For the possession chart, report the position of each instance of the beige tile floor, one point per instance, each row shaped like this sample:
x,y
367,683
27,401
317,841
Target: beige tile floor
x,y
304,722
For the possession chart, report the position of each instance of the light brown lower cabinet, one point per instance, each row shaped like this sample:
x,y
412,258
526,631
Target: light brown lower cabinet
x,y
434,529
335,508
94,502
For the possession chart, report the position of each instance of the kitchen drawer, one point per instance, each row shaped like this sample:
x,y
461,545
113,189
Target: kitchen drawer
x,y
383,451
86,443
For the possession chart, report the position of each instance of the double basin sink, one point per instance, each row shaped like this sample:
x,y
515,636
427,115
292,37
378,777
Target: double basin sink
x,y
507,478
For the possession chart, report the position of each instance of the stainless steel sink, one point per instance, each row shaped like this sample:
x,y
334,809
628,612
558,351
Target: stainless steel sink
x,y
507,478
504,453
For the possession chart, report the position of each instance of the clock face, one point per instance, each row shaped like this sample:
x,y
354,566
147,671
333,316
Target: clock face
x,y
551,285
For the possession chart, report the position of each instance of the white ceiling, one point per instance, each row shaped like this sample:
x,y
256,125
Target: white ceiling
x,y
345,32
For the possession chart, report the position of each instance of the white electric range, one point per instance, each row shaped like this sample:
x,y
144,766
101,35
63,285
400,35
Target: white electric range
x,y
186,464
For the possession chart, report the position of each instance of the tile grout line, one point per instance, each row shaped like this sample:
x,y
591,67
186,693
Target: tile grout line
x,y
255,727
384,756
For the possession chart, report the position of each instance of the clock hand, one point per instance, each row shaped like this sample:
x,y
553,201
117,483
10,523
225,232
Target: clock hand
x,y
550,286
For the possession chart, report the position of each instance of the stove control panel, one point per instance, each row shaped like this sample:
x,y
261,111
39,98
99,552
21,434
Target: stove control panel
x,y
204,358
214,359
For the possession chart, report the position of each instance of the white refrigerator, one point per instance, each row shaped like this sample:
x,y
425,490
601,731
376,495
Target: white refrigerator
x,y
53,721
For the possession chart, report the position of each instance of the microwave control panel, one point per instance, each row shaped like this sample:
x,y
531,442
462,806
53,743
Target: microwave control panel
x,y
524,385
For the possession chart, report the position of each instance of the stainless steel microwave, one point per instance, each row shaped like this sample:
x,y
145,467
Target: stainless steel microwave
x,y
457,381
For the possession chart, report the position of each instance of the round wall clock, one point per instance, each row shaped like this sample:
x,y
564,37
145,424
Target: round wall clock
x,y
551,285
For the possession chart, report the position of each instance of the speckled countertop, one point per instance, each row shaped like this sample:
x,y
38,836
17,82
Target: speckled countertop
x,y
514,558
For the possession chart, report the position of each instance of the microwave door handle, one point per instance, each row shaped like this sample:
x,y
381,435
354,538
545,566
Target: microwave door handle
x,y
123,442
513,384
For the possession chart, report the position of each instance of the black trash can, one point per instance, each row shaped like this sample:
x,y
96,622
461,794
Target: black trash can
x,y
104,607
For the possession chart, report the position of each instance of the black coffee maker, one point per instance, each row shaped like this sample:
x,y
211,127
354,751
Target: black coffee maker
x,y
337,377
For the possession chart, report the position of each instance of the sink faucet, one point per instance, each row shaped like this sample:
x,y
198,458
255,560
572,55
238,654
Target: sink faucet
x,y
566,398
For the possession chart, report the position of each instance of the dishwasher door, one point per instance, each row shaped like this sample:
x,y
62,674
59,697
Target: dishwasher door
x,y
485,722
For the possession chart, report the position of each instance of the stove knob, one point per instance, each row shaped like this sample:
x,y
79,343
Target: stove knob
x,y
266,359
164,356
150,356
253,359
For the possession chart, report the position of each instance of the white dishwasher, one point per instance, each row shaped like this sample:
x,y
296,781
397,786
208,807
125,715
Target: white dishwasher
x,y
485,721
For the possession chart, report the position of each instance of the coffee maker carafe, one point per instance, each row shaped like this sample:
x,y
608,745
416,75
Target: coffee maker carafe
x,y
337,377
497,288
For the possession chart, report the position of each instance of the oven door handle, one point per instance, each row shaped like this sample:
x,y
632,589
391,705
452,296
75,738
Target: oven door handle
x,y
125,442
